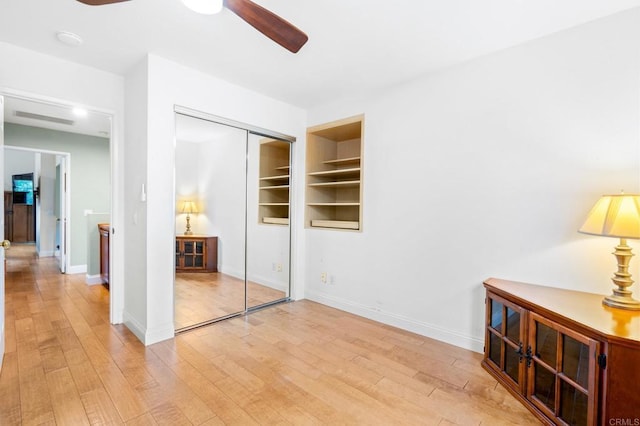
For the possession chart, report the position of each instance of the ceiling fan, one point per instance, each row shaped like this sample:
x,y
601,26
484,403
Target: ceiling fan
x,y
268,23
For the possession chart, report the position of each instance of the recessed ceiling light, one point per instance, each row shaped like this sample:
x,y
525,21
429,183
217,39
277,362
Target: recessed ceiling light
x,y
79,112
206,7
68,38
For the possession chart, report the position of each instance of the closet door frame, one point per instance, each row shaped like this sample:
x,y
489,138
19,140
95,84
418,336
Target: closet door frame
x,y
250,129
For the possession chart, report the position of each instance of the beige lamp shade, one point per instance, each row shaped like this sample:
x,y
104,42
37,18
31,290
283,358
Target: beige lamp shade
x,y
189,207
614,216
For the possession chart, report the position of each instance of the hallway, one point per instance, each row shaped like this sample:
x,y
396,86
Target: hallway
x,y
298,363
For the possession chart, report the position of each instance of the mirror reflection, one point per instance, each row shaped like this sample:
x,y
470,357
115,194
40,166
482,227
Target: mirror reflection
x,y
268,207
232,221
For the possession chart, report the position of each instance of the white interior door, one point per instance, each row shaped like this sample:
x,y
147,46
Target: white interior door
x,y
2,227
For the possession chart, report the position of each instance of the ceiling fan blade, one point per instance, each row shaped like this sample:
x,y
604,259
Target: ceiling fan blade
x,y
100,2
269,24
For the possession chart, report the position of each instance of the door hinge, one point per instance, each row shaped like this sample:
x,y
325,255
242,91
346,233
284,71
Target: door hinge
x,y
602,361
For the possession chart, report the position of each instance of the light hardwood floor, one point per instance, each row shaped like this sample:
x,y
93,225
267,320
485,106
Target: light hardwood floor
x,y
299,363
202,296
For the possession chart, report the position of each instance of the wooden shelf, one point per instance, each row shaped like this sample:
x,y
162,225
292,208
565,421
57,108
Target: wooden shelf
x,y
276,220
342,161
354,171
337,224
279,177
275,187
337,183
334,204
334,175
273,194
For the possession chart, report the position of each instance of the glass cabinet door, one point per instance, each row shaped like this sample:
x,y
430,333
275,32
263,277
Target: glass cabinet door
x,y
505,336
561,380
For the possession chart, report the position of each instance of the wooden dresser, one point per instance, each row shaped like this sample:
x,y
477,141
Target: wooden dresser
x,y
196,253
103,230
563,354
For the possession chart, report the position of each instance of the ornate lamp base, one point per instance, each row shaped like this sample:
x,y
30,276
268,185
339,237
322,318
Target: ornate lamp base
x,y
188,231
621,297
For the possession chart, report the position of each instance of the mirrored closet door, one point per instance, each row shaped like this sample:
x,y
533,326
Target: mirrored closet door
x,y
232,245
268,231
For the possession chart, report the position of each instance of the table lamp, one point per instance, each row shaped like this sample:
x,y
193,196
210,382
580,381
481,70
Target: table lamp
x,y
617,216
189,207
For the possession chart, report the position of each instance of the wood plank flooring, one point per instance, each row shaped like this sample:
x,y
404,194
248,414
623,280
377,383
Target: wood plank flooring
x,y
202,296
300,363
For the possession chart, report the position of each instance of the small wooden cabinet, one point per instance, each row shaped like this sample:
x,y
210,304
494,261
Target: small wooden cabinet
x,y
19,220
563,354
103,230
334,174
274,182
196,253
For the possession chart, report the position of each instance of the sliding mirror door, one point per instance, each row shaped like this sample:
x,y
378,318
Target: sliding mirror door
x,y
233,236
210,183
268,230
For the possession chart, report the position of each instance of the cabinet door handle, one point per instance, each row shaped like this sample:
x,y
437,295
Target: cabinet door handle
x,y
529,356
520,353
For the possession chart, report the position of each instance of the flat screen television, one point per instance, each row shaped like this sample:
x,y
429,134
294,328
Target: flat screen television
x,y
23,189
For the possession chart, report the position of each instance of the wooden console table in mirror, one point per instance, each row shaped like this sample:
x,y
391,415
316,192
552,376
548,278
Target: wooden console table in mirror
x,y
196,253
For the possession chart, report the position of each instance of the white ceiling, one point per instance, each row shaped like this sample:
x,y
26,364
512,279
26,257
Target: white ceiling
x,y
56,117
355,46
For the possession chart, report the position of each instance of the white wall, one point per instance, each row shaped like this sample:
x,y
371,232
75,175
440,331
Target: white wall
x,y
135,206
46,234
171,84
32,74
487,169
222,193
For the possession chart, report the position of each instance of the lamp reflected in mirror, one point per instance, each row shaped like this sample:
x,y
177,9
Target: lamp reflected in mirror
x,y
189,207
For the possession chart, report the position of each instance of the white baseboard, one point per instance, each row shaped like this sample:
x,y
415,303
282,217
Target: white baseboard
x,y
268,283
77,269
148,336
428,330
159,334
93,279
134,326
45,254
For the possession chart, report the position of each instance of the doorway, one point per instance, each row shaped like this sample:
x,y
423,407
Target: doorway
x,y
233,233
35,212
56,132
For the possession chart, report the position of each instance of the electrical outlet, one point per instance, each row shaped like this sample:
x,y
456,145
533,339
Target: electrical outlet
x,y
323,277
279,267
332,280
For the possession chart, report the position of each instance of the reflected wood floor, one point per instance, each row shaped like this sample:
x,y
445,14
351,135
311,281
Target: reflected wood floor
x,y
298,363
202,296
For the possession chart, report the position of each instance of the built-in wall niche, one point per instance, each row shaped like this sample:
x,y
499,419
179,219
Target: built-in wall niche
x,y
334,175
274,182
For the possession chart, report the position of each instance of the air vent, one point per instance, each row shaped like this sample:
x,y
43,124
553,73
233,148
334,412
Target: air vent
x,y
24,114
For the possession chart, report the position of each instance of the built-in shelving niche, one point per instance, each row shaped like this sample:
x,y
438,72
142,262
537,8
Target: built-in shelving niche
x,y
274,182
334,175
